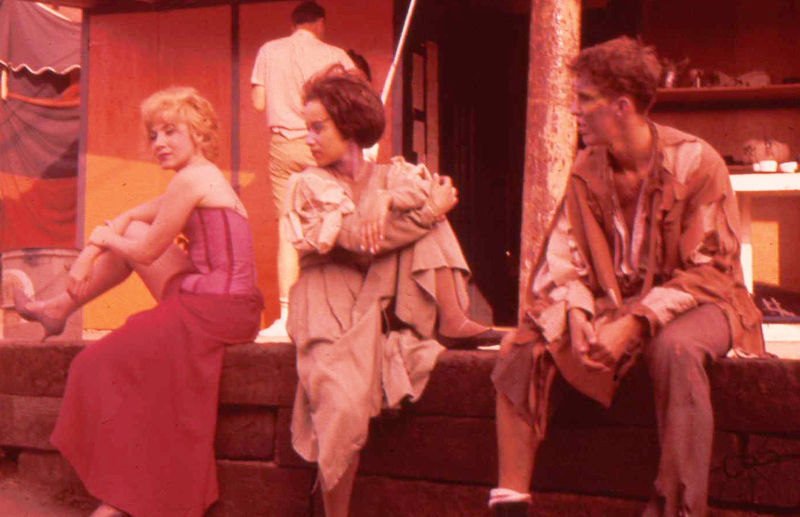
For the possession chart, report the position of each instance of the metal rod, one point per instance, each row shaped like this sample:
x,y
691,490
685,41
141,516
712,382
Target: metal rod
x,y
387,84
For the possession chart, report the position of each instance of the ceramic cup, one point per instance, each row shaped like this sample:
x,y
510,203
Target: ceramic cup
x,y
768,165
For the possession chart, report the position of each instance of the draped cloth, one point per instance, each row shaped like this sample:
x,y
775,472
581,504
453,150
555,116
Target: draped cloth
x,y
140,409
363,326
39,127
36,39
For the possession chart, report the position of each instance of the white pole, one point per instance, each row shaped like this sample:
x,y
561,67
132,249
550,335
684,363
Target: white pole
x,y
387,85
371,154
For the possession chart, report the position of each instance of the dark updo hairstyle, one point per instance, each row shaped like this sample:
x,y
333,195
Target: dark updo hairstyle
x,y
354,107
621,66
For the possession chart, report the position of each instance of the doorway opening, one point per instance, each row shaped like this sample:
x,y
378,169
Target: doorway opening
x,y
464,97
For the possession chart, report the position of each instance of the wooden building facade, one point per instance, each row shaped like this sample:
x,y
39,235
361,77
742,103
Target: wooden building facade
x,y
462,102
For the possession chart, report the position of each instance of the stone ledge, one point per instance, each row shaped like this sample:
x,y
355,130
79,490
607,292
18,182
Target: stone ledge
x,y
450,449
750,395
444,445
264,488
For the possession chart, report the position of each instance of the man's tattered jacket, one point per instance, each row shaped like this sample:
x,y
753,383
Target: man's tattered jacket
x,y
683,249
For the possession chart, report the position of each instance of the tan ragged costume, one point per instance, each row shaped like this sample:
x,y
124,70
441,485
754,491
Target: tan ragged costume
x,y
362,325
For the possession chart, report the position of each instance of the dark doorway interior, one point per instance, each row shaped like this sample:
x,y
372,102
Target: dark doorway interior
x,y
482,55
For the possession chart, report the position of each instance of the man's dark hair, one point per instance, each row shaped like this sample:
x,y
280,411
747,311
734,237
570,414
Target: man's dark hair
x,y
307,12
621,66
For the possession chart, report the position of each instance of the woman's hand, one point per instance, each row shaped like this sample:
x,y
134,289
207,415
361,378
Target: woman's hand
x,y
443,197
373,222
79,277
120,223
101,234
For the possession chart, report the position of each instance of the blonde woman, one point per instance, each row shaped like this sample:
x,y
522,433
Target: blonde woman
x,y
138,416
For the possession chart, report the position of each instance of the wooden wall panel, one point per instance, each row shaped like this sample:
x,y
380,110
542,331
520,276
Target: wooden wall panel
x,y
258,23
195,50
134,54
130,57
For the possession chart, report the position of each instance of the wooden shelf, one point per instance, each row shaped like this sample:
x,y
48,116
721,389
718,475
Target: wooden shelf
x,y
727,94
767,183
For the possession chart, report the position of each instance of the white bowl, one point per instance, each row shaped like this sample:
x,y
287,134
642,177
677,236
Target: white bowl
x,y
768,165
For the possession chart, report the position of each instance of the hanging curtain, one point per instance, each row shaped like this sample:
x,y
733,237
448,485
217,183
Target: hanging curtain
x,y
39,127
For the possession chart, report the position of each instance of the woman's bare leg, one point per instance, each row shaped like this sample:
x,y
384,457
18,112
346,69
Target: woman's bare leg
x,y
453,322
109,270
337,500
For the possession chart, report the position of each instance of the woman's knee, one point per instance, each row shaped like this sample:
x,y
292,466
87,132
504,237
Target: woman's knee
x,y
136,230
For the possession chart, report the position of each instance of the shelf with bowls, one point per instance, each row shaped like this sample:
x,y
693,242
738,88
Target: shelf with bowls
x,y
726,94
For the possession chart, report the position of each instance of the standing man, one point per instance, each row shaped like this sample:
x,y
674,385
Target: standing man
x,y
282,68
642,263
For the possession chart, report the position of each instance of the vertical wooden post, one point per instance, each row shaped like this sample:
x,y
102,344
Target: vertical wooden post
x,y
551,135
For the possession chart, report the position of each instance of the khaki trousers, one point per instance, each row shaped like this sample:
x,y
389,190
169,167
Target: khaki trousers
x,y
286,157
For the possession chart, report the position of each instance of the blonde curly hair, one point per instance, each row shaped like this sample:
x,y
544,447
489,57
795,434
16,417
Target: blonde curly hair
x,y
183,104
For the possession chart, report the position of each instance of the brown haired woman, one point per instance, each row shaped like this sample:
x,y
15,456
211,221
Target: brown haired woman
x,y
138,416
382,281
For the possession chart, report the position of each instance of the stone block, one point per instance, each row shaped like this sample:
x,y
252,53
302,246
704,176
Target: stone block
x,y
757,395
460,385
245,433
452,449
259,374
35,370
251,373
284,452
246,488
632,406
27,421
387,497
49,468
573,505
260,488
748,395
601,461
756,470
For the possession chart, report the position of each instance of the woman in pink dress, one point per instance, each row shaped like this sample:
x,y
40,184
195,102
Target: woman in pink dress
x,y
382,282
138,417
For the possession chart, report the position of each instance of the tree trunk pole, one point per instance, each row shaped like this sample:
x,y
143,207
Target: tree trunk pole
x,y
550,134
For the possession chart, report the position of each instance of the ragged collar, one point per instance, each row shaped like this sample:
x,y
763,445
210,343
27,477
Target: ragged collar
x,y
668,174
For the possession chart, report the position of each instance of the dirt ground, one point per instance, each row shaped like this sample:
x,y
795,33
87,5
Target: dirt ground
x,y
23,498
